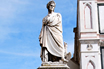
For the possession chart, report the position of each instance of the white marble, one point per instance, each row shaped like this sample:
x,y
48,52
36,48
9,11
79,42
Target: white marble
x,y
54,65
89,40
53,51
51,39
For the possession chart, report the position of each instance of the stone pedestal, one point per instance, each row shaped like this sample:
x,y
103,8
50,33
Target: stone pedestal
x,y
54,65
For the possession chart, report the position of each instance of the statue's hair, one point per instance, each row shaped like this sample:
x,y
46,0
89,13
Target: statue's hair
x,y
50,3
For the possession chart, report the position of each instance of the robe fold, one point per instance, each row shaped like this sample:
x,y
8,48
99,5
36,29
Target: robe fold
x,y
51,35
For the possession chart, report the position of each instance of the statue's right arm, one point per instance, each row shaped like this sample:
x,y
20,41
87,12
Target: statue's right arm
x,y
44,22
41,33
40,36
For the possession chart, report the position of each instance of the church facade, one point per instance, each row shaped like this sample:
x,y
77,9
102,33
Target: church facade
x,y
89,36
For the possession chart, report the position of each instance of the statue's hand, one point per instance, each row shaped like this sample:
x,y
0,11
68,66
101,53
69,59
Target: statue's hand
x,y
39,37
45,22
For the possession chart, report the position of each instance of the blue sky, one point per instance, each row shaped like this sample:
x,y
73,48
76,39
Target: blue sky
x,y
20,25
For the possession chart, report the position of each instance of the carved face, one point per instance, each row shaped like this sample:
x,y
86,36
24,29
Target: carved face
x,y
51,7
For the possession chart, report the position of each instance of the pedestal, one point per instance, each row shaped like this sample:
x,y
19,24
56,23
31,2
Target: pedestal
x,y
53,65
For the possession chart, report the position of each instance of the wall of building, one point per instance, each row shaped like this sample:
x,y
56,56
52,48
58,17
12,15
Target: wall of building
x,y
88,38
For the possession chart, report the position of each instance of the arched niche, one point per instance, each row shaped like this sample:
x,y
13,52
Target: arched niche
x,y
87,16
90,65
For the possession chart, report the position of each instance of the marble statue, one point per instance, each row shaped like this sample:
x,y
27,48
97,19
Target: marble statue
x,y
51,39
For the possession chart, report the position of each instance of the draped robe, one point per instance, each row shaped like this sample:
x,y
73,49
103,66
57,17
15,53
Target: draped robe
x,y
51,35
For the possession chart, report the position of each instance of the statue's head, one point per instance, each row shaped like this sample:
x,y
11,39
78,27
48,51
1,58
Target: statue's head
x,y
51,5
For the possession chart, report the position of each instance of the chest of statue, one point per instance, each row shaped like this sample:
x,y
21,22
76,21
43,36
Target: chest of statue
x,y
51,19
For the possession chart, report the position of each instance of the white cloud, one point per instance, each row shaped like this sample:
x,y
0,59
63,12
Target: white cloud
x,y
9,7
8,15
6,30
21,54
27,13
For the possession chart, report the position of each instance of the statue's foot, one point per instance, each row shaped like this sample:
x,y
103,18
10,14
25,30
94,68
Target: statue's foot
x,y
64,60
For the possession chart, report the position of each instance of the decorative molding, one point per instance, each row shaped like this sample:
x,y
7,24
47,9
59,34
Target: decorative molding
x,y
88,22
90,56
89,52
89,47
92,63
89,41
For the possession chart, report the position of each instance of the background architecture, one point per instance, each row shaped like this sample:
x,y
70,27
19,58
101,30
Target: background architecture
x,y
89,35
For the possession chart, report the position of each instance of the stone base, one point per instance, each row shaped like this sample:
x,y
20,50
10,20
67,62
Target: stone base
x,y
53,65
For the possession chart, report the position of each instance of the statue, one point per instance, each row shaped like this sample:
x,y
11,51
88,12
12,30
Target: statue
x,y
51,39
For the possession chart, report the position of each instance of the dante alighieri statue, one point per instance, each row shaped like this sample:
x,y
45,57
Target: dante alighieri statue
x,y
51,39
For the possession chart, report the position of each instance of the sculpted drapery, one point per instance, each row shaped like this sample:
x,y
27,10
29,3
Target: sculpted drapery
x,y
51,40
51,34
